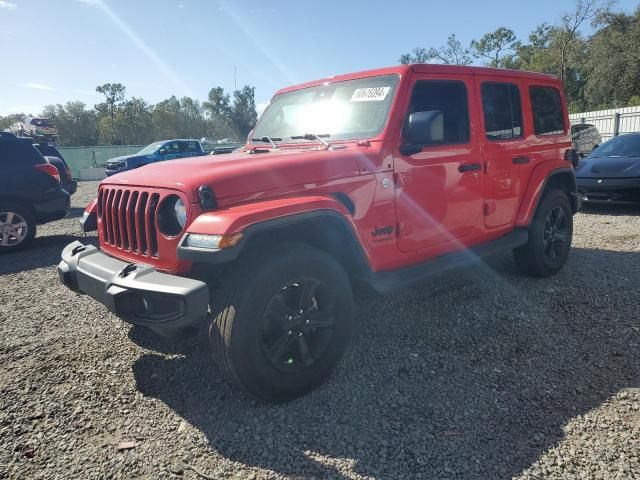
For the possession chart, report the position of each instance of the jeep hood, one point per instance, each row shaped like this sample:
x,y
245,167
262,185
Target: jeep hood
x,y
243,172
608,167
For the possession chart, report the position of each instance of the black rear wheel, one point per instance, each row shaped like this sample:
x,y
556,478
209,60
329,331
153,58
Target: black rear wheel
x,y
282,321
550,236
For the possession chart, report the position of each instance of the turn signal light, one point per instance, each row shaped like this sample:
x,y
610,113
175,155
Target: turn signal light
x,y
213,242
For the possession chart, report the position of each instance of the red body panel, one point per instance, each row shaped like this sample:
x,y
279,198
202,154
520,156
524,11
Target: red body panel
x,y
431,207
92,207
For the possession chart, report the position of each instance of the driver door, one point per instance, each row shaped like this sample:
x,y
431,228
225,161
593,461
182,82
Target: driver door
x,y
439,185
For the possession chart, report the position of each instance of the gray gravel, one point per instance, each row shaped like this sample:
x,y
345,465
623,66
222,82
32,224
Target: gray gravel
x,y
482,374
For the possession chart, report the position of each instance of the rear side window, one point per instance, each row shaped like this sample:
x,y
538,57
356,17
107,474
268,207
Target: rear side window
x,y
191,147
502,111
450,98
548,117
19,153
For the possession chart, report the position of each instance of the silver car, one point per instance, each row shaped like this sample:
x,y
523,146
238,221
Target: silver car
x,y
585,138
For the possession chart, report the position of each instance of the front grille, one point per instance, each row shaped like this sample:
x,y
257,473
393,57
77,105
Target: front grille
x,y
128,219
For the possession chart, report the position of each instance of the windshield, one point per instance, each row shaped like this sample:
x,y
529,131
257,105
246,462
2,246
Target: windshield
x,y
149,149
339,111
622,146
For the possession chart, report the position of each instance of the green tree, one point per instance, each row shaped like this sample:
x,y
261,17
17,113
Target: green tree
x,y
544,53
134,122
613,62
166,118
452,53
114,94
6,122
494,46
568,31
243,111
76,124
218,103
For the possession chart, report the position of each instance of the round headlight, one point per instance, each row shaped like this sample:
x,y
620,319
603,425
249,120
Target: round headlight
x,y
181,212
172,216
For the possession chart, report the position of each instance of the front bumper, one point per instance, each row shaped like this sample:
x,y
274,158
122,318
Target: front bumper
x,y
609,189
139,294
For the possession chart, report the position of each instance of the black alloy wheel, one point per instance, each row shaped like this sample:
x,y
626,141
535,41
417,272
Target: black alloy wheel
x,y
297,325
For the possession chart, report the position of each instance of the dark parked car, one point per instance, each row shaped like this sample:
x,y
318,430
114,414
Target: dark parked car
x,y
30,192
55,158
612,172
585,138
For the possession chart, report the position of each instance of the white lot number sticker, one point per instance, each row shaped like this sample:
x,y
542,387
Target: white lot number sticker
x,y
371,94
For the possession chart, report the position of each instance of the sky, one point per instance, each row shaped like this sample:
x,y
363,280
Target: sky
x,y
54,51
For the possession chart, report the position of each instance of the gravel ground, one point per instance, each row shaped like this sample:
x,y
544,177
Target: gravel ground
x,y
483,374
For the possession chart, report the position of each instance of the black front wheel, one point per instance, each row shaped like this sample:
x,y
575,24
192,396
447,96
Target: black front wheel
x,y
282,321
550,236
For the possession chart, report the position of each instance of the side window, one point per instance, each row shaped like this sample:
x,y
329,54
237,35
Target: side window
x,y
502,111
171,148
448,98
548,116
20,153
192,147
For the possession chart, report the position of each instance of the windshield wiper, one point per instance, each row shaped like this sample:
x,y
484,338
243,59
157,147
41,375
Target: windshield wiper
x,y
313,136
271,140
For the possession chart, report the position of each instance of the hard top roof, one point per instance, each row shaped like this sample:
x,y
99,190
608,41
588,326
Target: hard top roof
x,y
426,68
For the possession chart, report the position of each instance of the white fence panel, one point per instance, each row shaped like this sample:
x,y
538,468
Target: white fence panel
x,y
611,122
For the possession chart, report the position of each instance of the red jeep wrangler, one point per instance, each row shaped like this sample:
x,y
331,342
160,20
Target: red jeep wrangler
x,y
380,179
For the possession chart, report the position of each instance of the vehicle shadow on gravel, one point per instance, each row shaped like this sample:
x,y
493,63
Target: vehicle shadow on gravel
x,y
75,212
44,252
146,338
473,376
613,209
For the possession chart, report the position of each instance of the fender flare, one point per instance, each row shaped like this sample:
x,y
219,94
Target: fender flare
x,y
535,189
257,218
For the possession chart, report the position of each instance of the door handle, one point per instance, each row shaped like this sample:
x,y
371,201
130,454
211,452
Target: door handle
x,y
520,160
469,167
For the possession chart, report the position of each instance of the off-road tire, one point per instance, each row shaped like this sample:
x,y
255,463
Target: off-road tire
x,y
28,217
532,258
239,312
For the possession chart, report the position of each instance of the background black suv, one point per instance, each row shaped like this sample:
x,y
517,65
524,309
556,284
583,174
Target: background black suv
x,y
30,192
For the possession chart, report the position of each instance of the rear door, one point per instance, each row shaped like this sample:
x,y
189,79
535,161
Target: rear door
x,y
506,157
550,129
189,149
439,187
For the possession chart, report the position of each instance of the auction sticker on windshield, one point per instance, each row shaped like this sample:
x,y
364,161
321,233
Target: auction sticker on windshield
x,y
372,94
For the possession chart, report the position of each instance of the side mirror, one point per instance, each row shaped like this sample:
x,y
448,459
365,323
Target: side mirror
x,y
425,127
162,151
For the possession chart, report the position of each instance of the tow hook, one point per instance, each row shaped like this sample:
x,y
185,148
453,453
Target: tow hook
x,y
127,270
77,250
